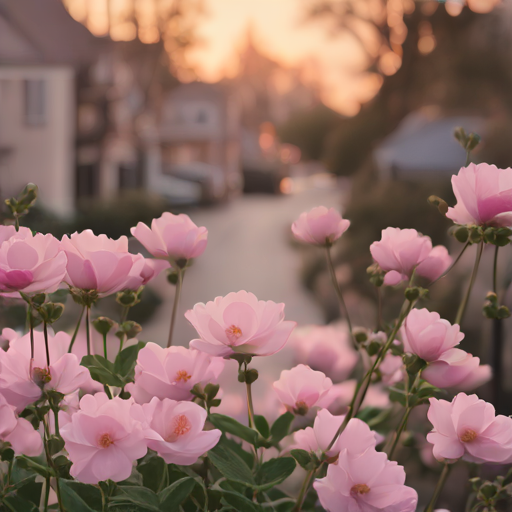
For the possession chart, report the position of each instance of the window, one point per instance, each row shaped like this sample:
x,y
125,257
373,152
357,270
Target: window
x,y
35,102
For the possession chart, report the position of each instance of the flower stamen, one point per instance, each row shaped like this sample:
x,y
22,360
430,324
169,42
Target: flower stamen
x,y
360,489
41,376
468,436
105,440
182,375
233,332
181,426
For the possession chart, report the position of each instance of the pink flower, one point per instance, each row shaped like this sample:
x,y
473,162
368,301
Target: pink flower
x,y
172,372
320,226
428,336
7,232
151,269
435,264
301,388
356,438
467,427
31,264
365,483
456,368
175,430
391,369
65,374
239,324
18,431
325,348
399,252
341,394
172,237
101,263
103,439
484,196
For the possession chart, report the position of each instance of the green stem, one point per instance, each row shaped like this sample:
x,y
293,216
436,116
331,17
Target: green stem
x,y
304,490
337,289
175,305
495,271
250,405
31,323
399,430
439,487
379,308
465,300
450,268
46,493
88,329
105,346
75,333
124,314
47,348
16,222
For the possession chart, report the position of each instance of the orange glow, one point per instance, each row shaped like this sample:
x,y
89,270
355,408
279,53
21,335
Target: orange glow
x,y
390,63
454,7
482,6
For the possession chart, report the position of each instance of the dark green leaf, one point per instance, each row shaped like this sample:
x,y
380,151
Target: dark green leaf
x,y
55,444
262,425
59,296
231,426
78,497
281,426
15,503
247,457
102,370
139,497
231,465
274,471
154,473
240,503
302,457
172,497
398,395
124,365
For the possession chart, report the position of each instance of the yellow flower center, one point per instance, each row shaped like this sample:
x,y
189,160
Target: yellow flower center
x,y
41,376
233,332
182,375
360,489
468,436
180,426
105,441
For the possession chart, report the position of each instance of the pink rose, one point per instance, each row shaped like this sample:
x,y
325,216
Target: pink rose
x,y
467,427
428,336
172,237
365,483
391,369
301,388
151,269
239,324
65,374
103,440
172,372
7,232
101,263
320,226
31,264
356,438
401,251
175,430
484,196
456,368
326,348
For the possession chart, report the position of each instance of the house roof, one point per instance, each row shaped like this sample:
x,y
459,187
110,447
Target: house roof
x,y
43,32
424,142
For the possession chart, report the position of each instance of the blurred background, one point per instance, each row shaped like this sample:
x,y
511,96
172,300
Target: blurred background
x,y
243,114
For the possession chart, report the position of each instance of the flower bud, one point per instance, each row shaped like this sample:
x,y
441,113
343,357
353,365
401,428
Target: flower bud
x,y
51,311
84,297
103,325
373,347
476,234
441,204
461,234
172,276
130,328
129,298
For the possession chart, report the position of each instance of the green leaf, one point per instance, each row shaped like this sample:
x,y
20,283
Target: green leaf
x,y
55,444
124,365
78,497
231,426
247,457
240,503
140,497
398,395
274,471
102,370
281,427
302,457
15,503
262,425
59,296
231,465
154,473
172,497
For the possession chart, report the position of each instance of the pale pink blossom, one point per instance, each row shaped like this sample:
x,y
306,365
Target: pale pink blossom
x,y
391,369
340,396
356,438
18,432
456,368
239,324
172,372
8,232
103,440
467,427
301,388
484,196
435,264
64,374
399,252
175,430
365,483
326,348
320,226
428,336
172,237
101,263
31,263
152,269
